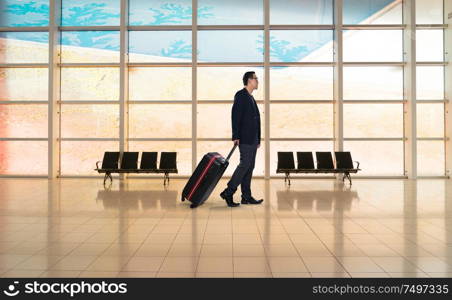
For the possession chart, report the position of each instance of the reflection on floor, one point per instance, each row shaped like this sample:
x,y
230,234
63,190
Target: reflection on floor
x,y
314,228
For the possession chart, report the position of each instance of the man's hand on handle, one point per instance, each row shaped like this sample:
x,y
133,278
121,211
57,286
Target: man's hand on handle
x,y
236,142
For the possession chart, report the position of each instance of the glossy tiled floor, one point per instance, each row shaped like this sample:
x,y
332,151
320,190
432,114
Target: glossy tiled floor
x,y
315,228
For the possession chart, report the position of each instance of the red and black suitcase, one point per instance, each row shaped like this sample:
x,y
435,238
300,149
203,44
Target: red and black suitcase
x,y
205,178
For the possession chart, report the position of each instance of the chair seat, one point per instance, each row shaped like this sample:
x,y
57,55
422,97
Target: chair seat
x,y
317,170
285,170
166,171
136,171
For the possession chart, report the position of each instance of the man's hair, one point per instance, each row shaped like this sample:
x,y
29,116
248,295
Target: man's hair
x,y
247,76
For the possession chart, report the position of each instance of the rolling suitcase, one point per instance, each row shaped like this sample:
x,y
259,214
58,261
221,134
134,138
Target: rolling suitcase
x,y
205,178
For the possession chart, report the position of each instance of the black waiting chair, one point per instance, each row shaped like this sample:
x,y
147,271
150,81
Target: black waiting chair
x,y
305,161
148,161
344,162
129,164
110,163
129,161
167,164
325,164
286,164
324,161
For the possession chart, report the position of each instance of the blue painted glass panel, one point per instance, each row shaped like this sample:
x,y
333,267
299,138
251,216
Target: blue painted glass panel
x,y
372,11
301,45
90,13
40,37
19,13
216,46
77,45
301,12
24,47
231,12
158,45
160,12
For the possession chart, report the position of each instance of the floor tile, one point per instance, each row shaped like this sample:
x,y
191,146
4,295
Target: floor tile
x,y
143,264
287,264
250,264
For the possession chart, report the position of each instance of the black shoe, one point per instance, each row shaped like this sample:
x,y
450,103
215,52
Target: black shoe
x,y
229,200
251,201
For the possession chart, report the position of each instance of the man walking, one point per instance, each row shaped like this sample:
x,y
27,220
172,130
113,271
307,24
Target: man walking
x,y
246,133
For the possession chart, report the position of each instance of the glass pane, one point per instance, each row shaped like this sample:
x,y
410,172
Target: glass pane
x,y
301,120
301,45
162,12
160,120
160,83
301,83
13,81
373,45
216,46
429,12
225,82
90,121
430,83
373,120
372,12
373,83
90,12
301,12
223,148
19,13
79,158
430,120
90,84
231,12
160,46
430,158
294,146
23,121
23,158
24,47
89,46
214,120
429,45
377,157
183,150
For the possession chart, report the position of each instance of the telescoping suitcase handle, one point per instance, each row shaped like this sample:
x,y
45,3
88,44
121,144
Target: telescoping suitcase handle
x,y
230,153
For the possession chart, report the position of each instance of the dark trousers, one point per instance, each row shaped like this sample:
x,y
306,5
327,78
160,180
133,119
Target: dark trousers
x,y
244,171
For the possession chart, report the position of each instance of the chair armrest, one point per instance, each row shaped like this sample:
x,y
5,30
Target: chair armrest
x,y
97,164
357,164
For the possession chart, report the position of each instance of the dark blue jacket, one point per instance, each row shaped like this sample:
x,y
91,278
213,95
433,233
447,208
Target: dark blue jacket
x,y
246,121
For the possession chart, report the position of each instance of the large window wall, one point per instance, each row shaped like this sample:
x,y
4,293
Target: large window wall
x,y
23,88
161,75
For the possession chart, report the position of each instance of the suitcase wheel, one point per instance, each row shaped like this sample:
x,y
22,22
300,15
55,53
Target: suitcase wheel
x,y
192,205
182,198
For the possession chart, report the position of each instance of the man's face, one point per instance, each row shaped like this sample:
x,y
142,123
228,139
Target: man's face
x,y
253,82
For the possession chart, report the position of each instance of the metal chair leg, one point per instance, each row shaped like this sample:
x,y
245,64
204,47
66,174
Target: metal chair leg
x,y
349,178
287,178
165,179
108,175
